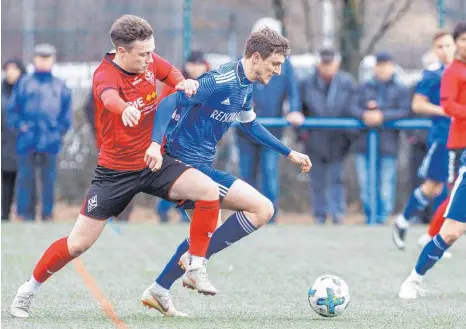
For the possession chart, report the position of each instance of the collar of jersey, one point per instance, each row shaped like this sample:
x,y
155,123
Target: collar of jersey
x,y
243,80
118,67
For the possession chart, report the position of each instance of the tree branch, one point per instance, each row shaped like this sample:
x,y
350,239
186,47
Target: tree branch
x,y
387,23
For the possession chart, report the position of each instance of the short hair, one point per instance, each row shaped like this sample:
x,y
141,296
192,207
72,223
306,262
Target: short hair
x,y
460,28
128,29
266,42
440,34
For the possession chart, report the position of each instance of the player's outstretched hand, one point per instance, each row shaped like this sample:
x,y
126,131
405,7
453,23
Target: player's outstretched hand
x,y
301,159
153,157
189,86
130,116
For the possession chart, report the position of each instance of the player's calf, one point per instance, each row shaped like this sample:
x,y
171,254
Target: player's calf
x,y
452,230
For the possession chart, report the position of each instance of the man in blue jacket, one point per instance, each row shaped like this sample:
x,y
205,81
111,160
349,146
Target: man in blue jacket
x,y
268,102
382,98
39,109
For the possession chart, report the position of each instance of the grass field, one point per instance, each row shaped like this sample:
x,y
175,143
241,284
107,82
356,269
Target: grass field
x,y
262,281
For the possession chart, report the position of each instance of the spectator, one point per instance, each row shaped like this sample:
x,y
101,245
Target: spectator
x,y
39,109
195,65
268,102
326,93
382,98
13,69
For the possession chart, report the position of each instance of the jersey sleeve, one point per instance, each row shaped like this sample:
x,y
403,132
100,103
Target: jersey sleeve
x,y
424,86
166,72
103,80
207,88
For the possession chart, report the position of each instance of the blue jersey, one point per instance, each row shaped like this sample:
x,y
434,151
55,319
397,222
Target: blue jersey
x,y
429,86
200,121
463,158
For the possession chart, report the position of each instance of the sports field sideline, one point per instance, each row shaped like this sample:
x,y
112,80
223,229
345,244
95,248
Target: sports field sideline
x,y
262,281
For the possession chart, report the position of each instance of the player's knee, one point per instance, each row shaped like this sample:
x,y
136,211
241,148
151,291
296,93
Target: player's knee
x,y
432,189
210,191
77,247
264,212
451,231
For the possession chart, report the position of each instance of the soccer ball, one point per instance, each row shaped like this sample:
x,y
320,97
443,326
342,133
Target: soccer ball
x,y
329,295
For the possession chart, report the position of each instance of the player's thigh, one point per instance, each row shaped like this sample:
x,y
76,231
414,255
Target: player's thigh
x,y
242,196
85,233
178,181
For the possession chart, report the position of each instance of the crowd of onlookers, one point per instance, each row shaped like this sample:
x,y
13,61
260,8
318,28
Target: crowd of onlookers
x,y
36,114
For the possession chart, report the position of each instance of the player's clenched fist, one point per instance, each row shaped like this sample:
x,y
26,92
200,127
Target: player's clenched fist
x,y
153,157
130,116
301,159
189,86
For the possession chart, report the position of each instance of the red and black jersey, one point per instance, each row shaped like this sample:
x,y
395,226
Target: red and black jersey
x,y
453,102
123,148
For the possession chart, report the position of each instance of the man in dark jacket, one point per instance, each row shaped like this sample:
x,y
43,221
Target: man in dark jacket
x,y
13,69
39,110
383,98
326,93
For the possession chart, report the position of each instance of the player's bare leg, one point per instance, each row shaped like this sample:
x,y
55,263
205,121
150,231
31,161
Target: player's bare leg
x,y
84,234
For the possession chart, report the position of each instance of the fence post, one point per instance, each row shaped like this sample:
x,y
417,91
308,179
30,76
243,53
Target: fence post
x,y
186,29
373,181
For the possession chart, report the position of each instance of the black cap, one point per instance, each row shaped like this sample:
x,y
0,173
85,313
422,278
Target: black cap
x,y
383,57
327,55
196,56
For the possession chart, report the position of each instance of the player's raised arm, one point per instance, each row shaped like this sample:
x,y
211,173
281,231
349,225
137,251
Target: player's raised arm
x,y
261,135
449,92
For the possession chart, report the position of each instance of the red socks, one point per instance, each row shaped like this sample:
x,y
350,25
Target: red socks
x,y
203,224
437,220
54,258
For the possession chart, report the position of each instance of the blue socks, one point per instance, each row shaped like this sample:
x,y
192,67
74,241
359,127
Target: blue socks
x,y
173,270
236,227
416,203
431,254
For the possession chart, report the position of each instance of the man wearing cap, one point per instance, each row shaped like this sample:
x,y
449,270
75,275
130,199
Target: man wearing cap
x,y
268,101
39,109
380,99
326,93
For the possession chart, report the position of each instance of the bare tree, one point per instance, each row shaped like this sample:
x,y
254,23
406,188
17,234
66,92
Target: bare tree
x,y
307,24
280,13
351,29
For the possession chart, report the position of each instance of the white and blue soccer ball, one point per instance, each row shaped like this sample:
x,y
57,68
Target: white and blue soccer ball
x,y
329,295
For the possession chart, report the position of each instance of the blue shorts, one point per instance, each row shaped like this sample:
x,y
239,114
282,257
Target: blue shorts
x,y
223,179
456,208
435,164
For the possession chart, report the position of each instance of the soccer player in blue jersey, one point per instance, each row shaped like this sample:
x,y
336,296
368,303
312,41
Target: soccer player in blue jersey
x,y
434,168
453,227
198,123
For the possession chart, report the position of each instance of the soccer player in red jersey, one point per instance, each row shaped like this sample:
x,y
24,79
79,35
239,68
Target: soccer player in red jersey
x,y
453,101
124,88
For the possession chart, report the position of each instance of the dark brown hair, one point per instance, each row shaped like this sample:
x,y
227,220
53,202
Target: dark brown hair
x,y
460,28
440,34
128,29
266,42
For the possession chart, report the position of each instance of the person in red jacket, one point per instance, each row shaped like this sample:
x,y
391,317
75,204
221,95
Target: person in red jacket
x,y
453,101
